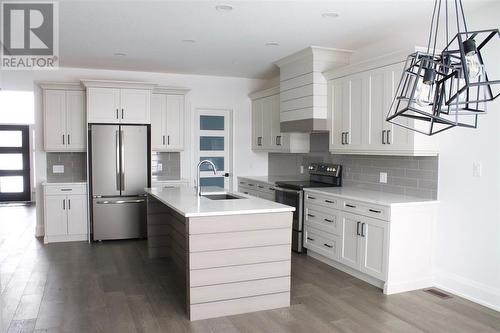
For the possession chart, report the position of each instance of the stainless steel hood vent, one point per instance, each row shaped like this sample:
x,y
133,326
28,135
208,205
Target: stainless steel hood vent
x,y
303,95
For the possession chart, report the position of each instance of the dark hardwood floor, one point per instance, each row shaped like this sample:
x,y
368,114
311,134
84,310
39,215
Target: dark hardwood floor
x,y
114,287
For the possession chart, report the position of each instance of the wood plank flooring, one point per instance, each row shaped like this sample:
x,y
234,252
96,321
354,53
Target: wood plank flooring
x,y
114,287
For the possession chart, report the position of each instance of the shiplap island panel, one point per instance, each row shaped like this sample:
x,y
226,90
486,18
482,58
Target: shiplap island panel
x,y
234,255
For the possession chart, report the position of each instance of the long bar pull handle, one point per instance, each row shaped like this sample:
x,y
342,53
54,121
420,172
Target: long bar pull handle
x,y
69,204
311,215
68,140
357,228
312,198
328,220
329,201
343,138
163,139
383,137
375,211
350,206
63,138
117,114
122,113
64,204
311,239
363,230
117,157
122,141
389,137
168,140
328,245
347,141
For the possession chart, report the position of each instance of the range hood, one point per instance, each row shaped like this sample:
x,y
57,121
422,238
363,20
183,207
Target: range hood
x,y
303,88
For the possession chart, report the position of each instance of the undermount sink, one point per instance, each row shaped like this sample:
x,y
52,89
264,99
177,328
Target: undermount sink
x,y
223,196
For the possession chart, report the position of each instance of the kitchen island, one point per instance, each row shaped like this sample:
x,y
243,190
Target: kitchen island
x,y
233,253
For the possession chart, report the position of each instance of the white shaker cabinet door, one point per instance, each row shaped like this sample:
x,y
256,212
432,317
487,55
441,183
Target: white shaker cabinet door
x,y
55,119
350,251
75,120
157,122
373,247
257,123
174,122
103,105
55,215
77,214
135,106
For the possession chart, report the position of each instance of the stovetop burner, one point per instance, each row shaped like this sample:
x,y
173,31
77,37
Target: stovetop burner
x,y
299,185
320,175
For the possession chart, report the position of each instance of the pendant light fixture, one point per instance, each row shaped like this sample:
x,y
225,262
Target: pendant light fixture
x,y
440,91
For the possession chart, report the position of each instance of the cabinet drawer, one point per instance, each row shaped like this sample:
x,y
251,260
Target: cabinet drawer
x,y
326,244
66,189
322,200
327,220
370,210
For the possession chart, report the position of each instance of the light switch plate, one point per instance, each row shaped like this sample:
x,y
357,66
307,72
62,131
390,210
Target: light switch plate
x,y
383,177
58,169
477,169
301,169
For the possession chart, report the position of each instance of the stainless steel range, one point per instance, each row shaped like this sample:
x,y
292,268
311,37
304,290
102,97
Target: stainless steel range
x,y
291,193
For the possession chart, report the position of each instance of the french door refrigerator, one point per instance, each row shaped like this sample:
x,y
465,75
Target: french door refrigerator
x,y
119,173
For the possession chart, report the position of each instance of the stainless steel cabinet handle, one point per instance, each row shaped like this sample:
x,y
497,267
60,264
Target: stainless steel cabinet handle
x,y
64,204
357,228
259,141
311,215
168,140
383,137
66,189
328,245
278,140
329,201
68,140
122,113
329,221
250,184
117,114
311,239
260,186
363,230
347,138
350,206
63,139
389,137
375,211
343,142
242,183
312,198
69,204
163,139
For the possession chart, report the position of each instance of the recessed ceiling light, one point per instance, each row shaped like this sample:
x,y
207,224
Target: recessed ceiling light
x,y
189,40
272,44
224,7
119,54
330,15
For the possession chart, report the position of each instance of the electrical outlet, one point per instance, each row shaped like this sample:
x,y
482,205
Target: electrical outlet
x,y
58,169
301,169
159,167
477,169
383,177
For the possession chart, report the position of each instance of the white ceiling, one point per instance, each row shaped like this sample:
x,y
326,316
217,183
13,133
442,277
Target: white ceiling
x,y
228,43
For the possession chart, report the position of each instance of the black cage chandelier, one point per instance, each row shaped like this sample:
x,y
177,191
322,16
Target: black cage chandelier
x,y
440,91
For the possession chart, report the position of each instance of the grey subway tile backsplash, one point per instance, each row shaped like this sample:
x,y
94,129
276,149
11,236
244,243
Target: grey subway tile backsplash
x,y
413,176
165,166
75,167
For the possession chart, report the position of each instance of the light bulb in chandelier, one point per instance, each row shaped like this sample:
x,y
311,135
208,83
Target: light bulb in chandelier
x,y
425,88
474,66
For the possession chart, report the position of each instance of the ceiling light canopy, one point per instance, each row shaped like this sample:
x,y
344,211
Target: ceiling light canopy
x,y
330,15
119,54
189,41
272,44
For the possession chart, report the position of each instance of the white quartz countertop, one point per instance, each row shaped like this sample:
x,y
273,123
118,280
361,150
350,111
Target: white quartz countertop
x,y
273,179
375,197
63,183
185,201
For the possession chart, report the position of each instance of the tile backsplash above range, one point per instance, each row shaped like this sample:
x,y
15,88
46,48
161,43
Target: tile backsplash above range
x,y
414,176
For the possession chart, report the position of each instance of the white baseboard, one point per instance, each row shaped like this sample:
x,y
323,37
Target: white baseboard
x,y
39,231
468,289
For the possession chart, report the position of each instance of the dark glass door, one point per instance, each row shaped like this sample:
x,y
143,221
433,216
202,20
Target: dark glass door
x,y
14,163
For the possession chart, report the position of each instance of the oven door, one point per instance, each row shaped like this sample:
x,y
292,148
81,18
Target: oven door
x,y
293,198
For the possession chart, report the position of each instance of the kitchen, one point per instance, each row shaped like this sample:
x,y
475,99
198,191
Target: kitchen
x,y
314,211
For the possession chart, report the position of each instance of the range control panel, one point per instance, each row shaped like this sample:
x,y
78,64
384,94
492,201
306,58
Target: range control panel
x,y
325,169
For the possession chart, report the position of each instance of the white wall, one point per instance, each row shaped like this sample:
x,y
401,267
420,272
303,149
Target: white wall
x,y
206,92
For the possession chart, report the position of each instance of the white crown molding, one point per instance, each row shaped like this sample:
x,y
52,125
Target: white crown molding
x,y
170,90
265,93
60,85
320,53
118,84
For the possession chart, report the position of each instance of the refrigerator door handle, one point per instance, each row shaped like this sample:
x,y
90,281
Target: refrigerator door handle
x,y
122,147
117,157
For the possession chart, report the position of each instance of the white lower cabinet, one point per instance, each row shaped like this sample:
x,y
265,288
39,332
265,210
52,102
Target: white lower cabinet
x,y
257,189
389,246
65,213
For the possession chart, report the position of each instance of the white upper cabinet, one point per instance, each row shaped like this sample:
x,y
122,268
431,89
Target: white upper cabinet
x,y
266,132
357,109
167,119
118,102
64,117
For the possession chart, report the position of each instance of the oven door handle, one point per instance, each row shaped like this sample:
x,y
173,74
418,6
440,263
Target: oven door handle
x,y
281,189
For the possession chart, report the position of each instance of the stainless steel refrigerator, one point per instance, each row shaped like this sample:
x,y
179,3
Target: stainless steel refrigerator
x,y
119,172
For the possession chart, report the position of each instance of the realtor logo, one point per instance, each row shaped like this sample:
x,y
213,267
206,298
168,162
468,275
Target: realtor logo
x,y
29,35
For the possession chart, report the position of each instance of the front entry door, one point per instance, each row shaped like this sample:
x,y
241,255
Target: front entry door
x,y
213,142
14,163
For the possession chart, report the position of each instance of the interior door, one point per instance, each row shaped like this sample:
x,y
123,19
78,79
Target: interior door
x,y
105,157
213,142
14,163
134,159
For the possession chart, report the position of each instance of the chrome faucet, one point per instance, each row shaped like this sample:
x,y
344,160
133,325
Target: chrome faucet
x,y
198,188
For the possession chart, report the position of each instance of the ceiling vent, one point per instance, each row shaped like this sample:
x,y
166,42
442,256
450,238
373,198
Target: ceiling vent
x,y
303,95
